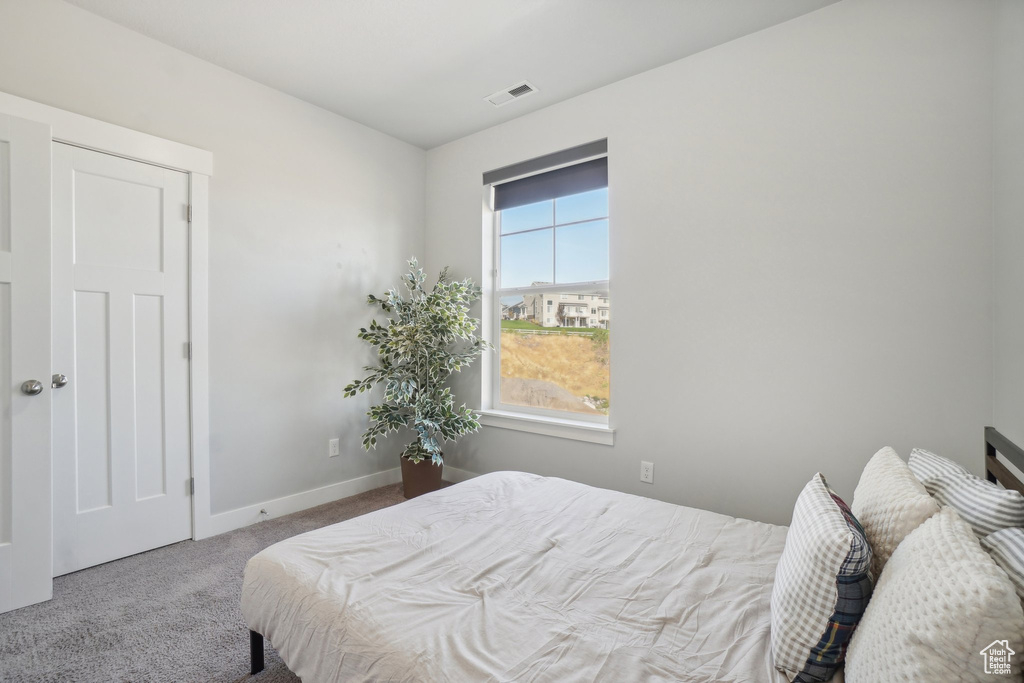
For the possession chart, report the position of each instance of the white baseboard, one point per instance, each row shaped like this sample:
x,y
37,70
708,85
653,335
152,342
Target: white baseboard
x,y
455,475
250,514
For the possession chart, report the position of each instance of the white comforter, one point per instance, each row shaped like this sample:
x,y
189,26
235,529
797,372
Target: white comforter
x,y
516,577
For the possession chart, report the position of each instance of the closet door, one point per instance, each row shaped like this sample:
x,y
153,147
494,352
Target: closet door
x,y
122,465
25,511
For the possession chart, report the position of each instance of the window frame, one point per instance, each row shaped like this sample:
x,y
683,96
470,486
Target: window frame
x,y
566,424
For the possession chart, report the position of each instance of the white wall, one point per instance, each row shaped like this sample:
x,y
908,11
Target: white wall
x,y
818,197
309,213
819,194
1008,163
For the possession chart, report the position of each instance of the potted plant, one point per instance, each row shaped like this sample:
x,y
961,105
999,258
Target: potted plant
x,y
428,336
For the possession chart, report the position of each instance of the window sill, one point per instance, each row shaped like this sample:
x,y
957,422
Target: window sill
x,y
549,426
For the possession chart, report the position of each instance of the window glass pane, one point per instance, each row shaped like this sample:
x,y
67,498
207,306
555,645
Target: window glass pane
x,y
582,207
555,360
528,216
582,252
526,258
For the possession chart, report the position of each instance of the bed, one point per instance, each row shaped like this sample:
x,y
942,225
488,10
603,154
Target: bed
x,y
513,576
516,577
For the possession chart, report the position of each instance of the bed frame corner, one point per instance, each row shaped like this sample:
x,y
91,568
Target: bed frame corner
x,y
255,652
996,471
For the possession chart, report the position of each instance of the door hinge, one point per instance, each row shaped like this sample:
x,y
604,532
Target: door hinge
x,y
188,350
192,486
189,213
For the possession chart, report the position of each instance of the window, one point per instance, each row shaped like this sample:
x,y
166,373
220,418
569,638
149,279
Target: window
x,y
550,236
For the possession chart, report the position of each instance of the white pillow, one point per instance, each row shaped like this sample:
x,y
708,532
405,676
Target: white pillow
x,y
889,502
821,585
940,600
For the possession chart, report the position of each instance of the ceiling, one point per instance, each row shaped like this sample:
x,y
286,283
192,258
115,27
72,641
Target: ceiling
x,y
419,69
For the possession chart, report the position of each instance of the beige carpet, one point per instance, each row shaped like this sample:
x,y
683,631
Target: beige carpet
x,y
167,615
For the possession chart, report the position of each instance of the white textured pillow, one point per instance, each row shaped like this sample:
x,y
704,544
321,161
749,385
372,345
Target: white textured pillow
x,y
889,502
940,600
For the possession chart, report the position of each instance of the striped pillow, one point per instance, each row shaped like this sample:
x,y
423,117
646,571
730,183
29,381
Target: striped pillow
x,y
821,585
926,465
1006,547
982,504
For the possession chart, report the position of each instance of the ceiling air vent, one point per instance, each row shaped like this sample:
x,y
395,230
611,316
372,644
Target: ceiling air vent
x,y
503,97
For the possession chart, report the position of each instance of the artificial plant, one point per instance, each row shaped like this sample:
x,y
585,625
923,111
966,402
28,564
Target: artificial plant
x,y
429,336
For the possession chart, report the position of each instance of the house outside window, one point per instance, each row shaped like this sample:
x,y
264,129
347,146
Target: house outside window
x,y
550,236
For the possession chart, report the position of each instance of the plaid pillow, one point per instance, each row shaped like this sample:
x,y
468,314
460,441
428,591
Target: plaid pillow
x,y
821,585
1006,547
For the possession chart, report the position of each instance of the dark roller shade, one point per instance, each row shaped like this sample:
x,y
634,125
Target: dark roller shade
x,y
590,175
587,150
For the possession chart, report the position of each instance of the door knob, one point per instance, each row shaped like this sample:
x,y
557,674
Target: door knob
x,y
32,387
58,381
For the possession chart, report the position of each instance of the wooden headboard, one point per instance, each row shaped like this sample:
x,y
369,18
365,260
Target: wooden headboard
x,y
994,469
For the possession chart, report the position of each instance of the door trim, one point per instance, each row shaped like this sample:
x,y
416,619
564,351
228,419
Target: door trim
x,y
108,138
99,136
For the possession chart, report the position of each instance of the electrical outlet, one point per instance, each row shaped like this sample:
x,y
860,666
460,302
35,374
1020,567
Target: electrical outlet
x,y
647,472
335,447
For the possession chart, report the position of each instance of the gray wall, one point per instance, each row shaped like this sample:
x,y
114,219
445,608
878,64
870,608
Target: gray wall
x,y
818,199
309,213
1008,137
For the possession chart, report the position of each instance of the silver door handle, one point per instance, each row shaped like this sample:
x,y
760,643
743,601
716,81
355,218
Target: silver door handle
x,y
59,381
32,387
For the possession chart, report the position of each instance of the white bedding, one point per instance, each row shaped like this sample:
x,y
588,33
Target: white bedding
x,y
516,577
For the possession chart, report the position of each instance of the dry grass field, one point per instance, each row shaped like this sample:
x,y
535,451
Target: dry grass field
x,y
576,363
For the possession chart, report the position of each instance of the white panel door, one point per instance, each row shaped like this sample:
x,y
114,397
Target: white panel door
x,y
120,332
25,512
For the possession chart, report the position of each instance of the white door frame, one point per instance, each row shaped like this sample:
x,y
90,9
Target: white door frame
x,y
82,131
